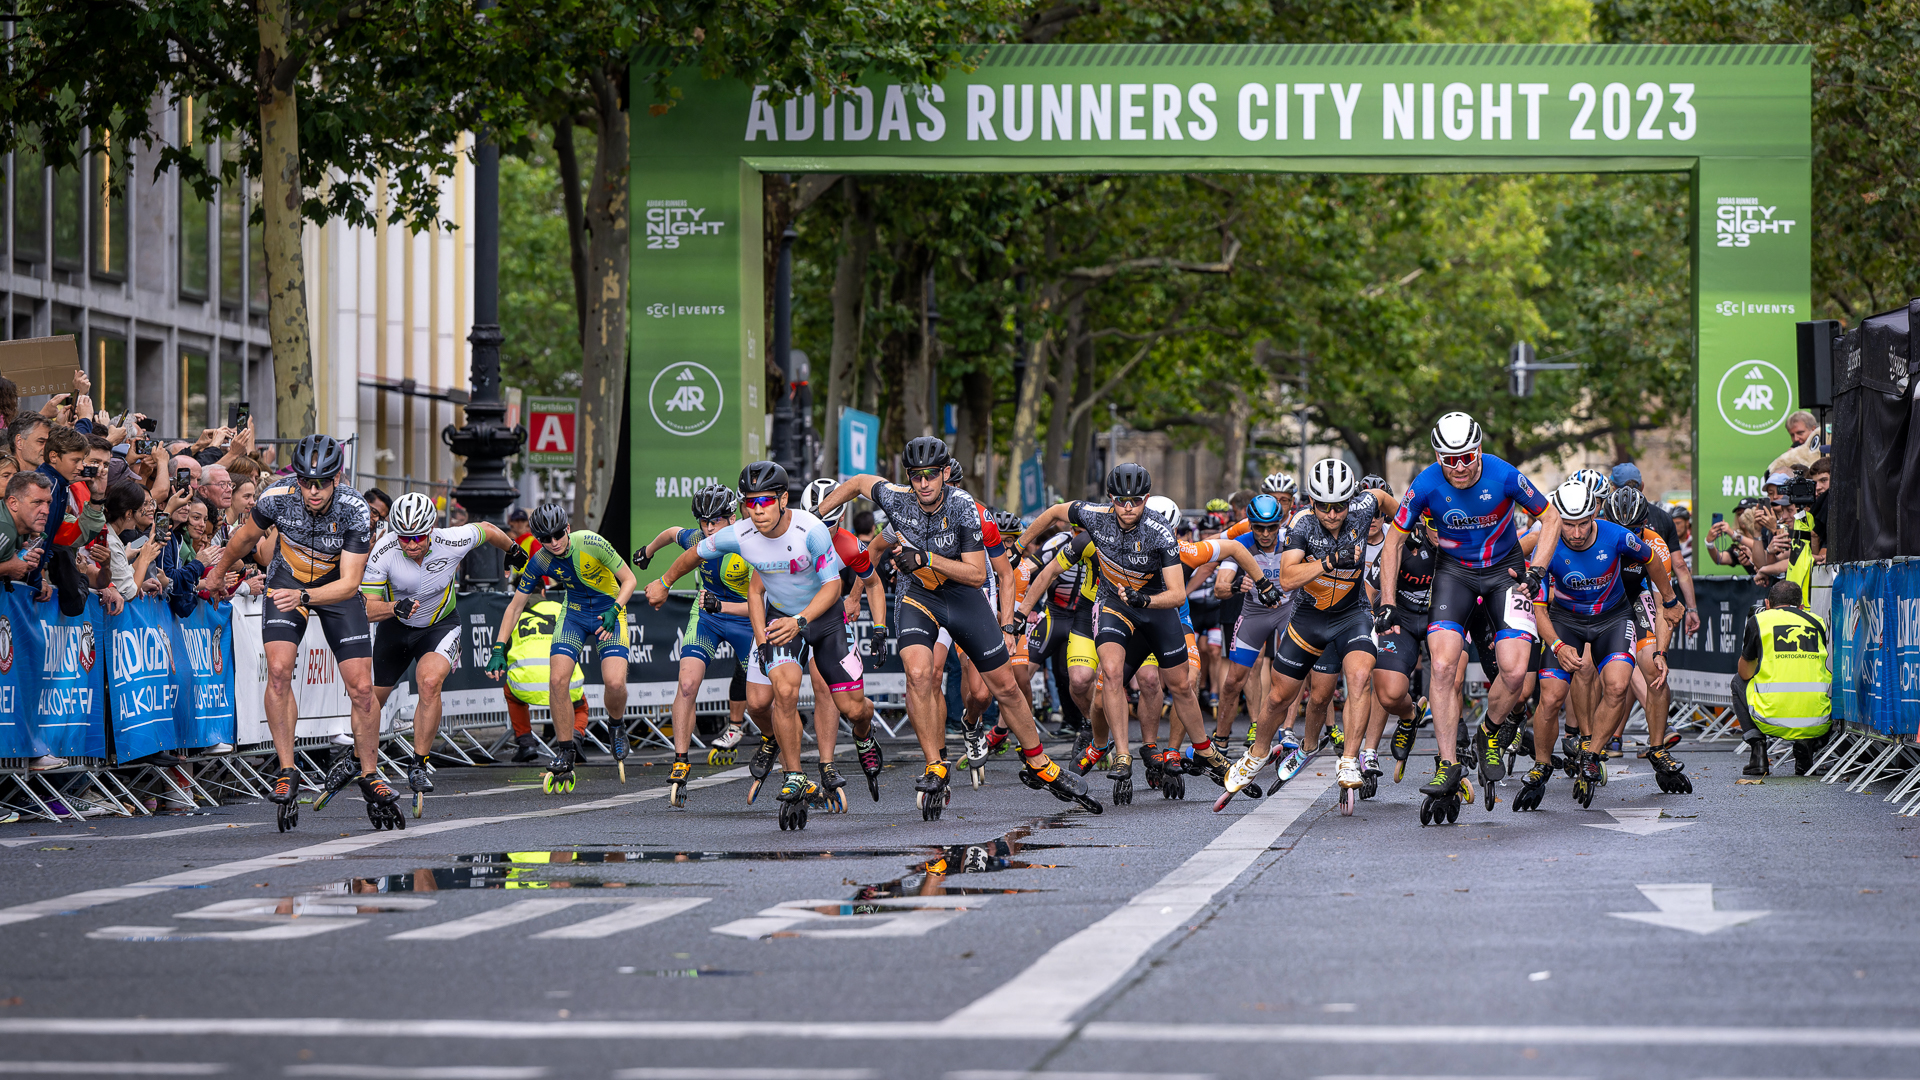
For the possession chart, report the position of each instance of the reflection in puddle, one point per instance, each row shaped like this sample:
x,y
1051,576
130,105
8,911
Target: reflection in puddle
x,y
684,973
511,876
929,877
631,855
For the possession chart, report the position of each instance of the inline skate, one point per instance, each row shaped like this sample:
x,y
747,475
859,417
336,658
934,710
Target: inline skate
x,y
1041,772
1443,794
559,777
761,766
870,761
833,789
677,784
1533,786
931,793
721,750
286,798
380,796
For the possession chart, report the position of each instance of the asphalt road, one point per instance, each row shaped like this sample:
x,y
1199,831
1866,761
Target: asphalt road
x,y
601,934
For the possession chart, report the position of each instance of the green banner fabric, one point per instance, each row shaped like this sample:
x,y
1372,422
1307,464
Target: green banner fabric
x,y
1737,118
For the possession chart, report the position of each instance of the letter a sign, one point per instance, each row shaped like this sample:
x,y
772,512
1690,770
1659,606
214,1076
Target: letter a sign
x,y
550,428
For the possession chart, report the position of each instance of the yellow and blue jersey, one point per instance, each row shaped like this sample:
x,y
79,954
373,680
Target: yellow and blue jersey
x,y
725,575
589,571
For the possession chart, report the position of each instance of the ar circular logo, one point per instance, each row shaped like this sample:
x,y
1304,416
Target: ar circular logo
x,y
686,398
1754,397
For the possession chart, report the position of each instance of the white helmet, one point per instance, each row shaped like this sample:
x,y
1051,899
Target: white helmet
x,y
1332,481
1575,500
1596,481
1052,546
1456,433
412,515
1279,484
1165,509
815,492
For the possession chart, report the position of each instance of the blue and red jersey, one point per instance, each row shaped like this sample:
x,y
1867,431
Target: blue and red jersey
x,y
1589,582
1475,523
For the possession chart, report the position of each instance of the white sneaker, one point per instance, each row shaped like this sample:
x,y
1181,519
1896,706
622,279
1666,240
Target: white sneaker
x,y
343,739
1244,770
47,763
1349,772
218,749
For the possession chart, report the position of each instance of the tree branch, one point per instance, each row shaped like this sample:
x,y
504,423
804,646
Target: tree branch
x,y
1161,262
1084,407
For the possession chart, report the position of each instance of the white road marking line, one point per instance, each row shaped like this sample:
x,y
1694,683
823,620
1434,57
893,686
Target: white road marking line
x,y
110,1068
1686,907
421,1073
1077,971
1638,821
1017,1074
1825,1039
129,836
905,916
62,905
1455,1076
631,916
744,1074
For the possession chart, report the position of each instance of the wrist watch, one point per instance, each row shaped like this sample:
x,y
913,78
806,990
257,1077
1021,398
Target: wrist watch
x,y
801,622
305,600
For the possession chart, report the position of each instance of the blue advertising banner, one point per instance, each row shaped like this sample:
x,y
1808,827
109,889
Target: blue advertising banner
x,y
1876,646
1033,485
859,443
1903,595
64,671
204,714
16,736
144,685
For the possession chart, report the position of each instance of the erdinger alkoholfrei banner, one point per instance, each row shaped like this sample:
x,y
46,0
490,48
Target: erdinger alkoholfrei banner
x,y
1736,118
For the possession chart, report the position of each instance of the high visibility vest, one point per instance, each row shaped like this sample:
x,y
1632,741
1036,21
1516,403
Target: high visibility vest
x,y
527,658
1800,555
1790,694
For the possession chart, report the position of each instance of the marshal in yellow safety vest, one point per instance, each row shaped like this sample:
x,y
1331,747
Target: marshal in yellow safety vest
x,y
527,657
1789,695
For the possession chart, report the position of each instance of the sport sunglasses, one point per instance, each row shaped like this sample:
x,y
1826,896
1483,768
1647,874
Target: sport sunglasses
x,y
927,474
759,501
1459,461
405,539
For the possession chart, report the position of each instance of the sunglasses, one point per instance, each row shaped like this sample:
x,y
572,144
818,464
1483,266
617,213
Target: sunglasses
x,y
316,485
405,539
1458,461
1329,508
758,502
927,474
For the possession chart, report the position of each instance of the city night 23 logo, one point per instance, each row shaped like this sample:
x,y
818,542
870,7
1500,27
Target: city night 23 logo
x,y
686,398
669,221
1740,218
1754,397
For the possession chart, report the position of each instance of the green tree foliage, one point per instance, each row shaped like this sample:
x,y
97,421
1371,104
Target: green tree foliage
x,y
541,353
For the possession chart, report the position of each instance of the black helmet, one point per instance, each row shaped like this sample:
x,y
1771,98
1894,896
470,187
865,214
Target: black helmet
x,y
1008,523
763,477
1626,506
925,452
1129,481
712,502
954,473
317,457
1373,482
548,521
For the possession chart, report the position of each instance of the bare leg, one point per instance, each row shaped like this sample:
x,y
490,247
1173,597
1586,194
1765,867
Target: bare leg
x,y
430,674
358,677
283,710
686,693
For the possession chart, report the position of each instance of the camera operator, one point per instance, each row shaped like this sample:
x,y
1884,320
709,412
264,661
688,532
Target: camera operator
x,y
1798,542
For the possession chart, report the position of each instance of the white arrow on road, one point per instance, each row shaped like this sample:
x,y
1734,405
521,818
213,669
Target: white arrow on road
x,y
1639,820
1686,907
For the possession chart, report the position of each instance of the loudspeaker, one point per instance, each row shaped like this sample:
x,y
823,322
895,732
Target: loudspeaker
x,y
1817,340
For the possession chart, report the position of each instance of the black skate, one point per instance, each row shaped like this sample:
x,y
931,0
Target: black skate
x,y
1533,786
1082,741
974,760
339,775
381,797
1572,746
1042,771
834,788
870,761
795,796
559,777
1668,771
620,751
286,798
420,782
1173,774
931,793
1443,792
677,785
1122,776
1592,768
1150,757
1369,774
761,766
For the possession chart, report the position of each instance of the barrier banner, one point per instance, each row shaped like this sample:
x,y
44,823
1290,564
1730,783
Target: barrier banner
x,y
16,736
322,700
65,708
203,643
1876,646
1702,663
1903,591
143,684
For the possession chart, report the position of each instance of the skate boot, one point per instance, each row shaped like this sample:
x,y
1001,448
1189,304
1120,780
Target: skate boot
x,y
1486,754
931,793
1572,745
1668,771
870,762
1122,776
974,753
1369,773
1757,763
677,784
833,787
1333,735
286,798
1000,740
528,749
795,796
420,781
380,798
1350,781
1041,772
1173,767
1253,732
620,750
1240,778
339,775
721,750
1150,756
1442,805
1533,786
559,778
1295,758
1402,747
1213,763
1089,756
1593,766
761,766
1082,739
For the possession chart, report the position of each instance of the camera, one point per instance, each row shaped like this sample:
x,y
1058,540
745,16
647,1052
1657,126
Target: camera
x,y
149,423
1800,491
89,472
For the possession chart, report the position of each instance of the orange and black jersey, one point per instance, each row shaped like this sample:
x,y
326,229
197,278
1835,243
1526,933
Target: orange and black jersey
x,y
311,543
1132,557
952,529
1335,590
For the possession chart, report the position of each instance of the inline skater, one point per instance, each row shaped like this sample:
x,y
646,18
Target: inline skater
x,y
1585,609
1059,584
323,536
792,600
942,559
1401,642
719,615
1652,627
1259,627
1472,497
1324,559
1023,576
1141,586
409,591
856,577
599,584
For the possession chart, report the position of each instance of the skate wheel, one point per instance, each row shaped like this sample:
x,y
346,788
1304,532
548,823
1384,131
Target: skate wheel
x,y
1489,798
623,772
1399,770
1369,787
1220,803
1453,810
419,803
1426,811
979,777
1347,799
1092,804
1255,791
873,787
288,817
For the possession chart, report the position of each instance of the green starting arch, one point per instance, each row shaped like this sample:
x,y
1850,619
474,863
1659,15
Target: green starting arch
x,y
1736,119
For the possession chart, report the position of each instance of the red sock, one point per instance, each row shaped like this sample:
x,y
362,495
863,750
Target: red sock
x,y
1033,753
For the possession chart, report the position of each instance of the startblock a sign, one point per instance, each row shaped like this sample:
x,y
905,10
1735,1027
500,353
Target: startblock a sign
x,y
550,432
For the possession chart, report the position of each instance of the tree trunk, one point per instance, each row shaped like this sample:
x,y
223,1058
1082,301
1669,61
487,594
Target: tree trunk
x,y
1060,423
916,389
1233,440
280,205
972,440
1085,477
563,149
849,312
1026,417
776,214
603,381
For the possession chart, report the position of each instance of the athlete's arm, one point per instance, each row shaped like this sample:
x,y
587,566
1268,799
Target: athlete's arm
x,y
657,588
1199,575
879,548
876,602
1175,593
1549,535
1389,506
757,606
628,583
847,492
495,535
1223,581
1684,574
239,544
668,535
1053,517
1552,637
1243,559
785,629
1003,569
353,566
1037,588
1390,553
1296,569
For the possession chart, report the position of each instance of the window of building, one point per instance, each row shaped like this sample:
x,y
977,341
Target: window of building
x,y
107,361
232,227
193,393
108,206
69,204
231,391
29,204
196,218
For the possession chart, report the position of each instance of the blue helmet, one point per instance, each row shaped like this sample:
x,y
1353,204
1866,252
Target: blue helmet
x,y
1264,510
